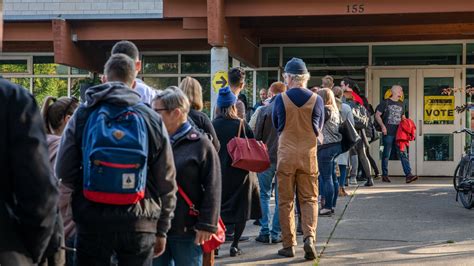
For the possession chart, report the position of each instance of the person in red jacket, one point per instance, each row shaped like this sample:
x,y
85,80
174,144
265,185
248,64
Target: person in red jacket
x,y
406,132
389,114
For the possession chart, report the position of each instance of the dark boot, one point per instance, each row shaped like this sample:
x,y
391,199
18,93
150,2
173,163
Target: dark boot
x,y
310,249
287,252
386,179
411,178
369,182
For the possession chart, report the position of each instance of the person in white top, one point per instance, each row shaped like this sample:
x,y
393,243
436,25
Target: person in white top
x,y
130,49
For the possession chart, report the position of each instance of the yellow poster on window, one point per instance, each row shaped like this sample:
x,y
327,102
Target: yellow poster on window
x,y
439,108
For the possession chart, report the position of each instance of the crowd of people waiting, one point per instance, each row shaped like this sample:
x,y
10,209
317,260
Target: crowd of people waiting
x,y
61,206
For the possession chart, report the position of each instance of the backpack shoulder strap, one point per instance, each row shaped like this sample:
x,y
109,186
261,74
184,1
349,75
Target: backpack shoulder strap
x,y
82,114
153,127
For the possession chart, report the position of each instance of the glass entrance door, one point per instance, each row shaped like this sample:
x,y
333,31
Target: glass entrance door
x,y
382,81
435,150
439,149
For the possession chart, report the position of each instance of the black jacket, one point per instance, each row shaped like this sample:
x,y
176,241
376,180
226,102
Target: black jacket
x,y
155,211
198,173
240,196
28,194
265,131
203,122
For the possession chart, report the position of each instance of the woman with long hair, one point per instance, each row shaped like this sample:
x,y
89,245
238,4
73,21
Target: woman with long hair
x,y
56,113
193,90
328,150
343,159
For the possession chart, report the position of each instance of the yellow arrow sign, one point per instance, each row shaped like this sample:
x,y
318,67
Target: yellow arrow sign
x,y
220,80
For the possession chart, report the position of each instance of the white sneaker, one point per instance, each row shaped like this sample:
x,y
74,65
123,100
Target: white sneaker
x,y
353,181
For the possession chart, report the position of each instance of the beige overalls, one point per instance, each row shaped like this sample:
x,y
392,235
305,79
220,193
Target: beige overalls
x,y
297,167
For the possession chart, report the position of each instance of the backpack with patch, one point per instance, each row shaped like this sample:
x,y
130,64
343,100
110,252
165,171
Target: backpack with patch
x,y
361,116
115,154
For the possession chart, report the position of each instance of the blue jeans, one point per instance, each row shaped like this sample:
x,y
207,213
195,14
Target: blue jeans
x,y
326,163
338,181
387,149
265,182
180,250
343,174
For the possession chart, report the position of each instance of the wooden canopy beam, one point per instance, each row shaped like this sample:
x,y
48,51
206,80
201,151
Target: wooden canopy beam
x,y
67,52
135,30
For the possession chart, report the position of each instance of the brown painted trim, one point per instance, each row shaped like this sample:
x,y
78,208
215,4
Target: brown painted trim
x,y
195,23
360,39
135,30
267,8
184,8
27,31
379,31
1,26
28,47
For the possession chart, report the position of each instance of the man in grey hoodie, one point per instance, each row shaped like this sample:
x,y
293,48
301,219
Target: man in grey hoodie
x,y
130,231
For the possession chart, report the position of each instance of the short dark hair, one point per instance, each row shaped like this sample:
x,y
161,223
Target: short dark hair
x,y
350,83
127,48
121,68
236,76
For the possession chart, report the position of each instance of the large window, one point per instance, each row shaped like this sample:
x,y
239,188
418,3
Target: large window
x,y
329,56
470,53
13,66
430,54
161,64
161,71
41,76
270,57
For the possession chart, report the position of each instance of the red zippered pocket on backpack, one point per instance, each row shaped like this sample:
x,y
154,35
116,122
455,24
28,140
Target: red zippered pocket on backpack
x,y
117,165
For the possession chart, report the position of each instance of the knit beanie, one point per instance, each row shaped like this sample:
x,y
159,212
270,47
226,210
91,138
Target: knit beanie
x,y
296,66
226,98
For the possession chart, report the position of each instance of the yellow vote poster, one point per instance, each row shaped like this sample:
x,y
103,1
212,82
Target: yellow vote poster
x,y
439,108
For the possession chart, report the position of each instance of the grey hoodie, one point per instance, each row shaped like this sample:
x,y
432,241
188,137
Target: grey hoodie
x,y
152,214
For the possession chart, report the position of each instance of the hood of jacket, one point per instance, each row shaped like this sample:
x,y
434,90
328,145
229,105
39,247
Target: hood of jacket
x,y
116,93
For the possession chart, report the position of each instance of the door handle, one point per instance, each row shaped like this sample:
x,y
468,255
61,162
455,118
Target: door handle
x,y
420,126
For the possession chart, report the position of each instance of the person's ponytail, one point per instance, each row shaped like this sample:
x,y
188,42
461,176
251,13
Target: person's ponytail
x,y
48,102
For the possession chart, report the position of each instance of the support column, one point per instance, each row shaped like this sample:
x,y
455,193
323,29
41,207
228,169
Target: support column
x,y
219,62
1,26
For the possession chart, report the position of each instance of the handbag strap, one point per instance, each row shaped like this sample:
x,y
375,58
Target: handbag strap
x,y
192,208
241,126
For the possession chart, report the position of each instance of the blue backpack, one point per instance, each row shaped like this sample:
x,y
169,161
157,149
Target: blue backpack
x,y
115,155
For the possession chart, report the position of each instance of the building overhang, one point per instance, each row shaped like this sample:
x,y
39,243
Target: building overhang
x,y
243,26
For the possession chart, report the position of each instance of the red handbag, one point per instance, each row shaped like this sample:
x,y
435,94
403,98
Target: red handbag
x,y
248,154
218,238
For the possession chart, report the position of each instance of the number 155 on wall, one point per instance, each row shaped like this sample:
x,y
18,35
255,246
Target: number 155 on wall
x,y
355,8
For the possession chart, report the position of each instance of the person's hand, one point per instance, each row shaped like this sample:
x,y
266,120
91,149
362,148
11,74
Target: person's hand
x,y
384,131
160,245
201,237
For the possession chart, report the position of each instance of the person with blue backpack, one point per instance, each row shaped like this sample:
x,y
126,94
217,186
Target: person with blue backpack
x,y
116,156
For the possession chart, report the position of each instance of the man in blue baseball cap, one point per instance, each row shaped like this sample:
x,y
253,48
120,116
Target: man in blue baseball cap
x,y
298,115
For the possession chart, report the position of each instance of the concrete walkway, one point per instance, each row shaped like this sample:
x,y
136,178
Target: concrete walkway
x,y
395,223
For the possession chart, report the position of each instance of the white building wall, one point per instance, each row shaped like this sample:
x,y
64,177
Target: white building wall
x,y
82,9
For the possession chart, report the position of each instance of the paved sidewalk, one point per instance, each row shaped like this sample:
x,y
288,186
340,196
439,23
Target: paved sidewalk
x,y
396,223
